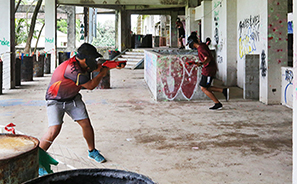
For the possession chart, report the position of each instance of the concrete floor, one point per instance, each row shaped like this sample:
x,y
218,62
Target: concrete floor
x,y
170,142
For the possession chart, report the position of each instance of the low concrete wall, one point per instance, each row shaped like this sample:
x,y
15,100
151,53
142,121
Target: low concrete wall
x,y
287,86
169,77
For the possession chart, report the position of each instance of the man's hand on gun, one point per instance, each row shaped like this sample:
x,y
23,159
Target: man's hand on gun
x,y
193,62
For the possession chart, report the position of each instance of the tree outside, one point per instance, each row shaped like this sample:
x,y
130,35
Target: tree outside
x,y
105,34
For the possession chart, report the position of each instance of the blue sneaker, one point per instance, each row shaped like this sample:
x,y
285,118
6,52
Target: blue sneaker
x,y
94,154
42,171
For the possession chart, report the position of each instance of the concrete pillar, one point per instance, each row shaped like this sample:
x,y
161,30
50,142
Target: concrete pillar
x,y
50,31
117,25
202,14
191,24
294,173
92,24
71,28
277,50
173,30
7,47
124,28
230,79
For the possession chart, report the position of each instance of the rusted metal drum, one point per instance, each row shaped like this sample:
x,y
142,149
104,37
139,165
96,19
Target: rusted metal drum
x,y
27,68
18,158
38,67
92,176
47,64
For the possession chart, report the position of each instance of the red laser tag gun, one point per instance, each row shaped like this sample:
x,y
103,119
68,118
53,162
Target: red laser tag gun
x,y
114,64
190,62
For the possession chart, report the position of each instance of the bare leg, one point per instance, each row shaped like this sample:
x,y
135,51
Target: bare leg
x,y
215,89
208,92
88,132
181,42
49,136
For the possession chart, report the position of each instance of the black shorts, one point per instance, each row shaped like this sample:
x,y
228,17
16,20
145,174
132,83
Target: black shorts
x,y
205,81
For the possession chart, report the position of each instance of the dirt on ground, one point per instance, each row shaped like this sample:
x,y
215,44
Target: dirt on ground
x,y
247,142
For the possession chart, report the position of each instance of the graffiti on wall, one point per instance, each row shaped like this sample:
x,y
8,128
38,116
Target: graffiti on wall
x,y
178,77
5,42
248,35
216,21
263,64
288,92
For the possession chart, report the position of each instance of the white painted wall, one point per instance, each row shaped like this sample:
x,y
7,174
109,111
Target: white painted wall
x,y
50,31
5,42
252,37
191,23
294,173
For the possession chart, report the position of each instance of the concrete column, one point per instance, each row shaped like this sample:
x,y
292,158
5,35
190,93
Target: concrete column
x,y
230,79
173,30
202,14
71,29
7,47
191,24
124,28
117,25
277,50
50,31
92,24
294,173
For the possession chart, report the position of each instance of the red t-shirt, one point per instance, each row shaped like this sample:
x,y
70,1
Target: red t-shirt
x,y
66,80
210,68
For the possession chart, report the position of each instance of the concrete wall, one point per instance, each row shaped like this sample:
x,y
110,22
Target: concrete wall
x,y
251,35
5,43
294,173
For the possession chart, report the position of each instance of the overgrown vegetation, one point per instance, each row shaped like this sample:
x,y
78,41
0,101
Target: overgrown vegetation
x,y
105,34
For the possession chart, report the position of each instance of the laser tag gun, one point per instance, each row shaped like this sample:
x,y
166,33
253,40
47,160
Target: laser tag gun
x,y
112,64
190,62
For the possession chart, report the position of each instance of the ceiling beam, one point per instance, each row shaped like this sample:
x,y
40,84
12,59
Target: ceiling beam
x,y
123,2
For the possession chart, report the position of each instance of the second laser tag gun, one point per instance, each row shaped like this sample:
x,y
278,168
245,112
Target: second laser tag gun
x,y
113,64
190,62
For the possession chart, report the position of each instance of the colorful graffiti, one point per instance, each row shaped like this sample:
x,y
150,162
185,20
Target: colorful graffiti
x,y
178,77
216,21
248,35
289,78
49,40
263,64
5,42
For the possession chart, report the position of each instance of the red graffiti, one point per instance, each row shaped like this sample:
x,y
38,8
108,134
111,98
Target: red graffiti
x,y
176,76
171,73
190,79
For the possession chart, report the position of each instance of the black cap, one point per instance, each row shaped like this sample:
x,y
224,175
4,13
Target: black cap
x,y
90,53
88,50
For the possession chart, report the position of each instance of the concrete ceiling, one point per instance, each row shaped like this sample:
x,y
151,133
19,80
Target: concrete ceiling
x,y
130,5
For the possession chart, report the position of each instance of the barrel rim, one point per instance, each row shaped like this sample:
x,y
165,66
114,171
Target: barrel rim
x,y
35,140
101,172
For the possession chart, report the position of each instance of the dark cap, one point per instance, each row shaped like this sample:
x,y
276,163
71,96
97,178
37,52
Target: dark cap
x,y
90,53
88,50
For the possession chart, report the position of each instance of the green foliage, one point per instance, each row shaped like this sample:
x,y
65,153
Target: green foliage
x,y
105,34
21,30
62,25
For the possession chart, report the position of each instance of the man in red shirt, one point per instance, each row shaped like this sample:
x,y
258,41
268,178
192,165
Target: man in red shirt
x,y
62,96
209,70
